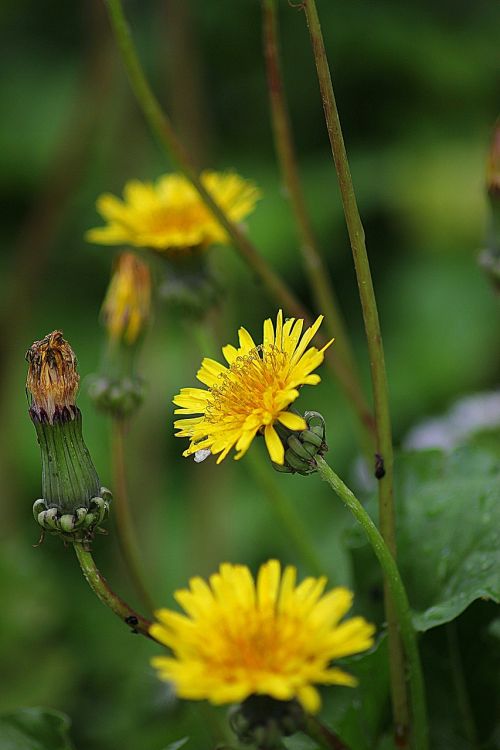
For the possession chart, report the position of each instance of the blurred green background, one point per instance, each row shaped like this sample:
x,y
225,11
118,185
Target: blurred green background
x,y
417,87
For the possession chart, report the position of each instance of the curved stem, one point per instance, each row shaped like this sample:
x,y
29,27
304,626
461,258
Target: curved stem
x,y
125,524
319,277
384,454
162,128
102,590
398,594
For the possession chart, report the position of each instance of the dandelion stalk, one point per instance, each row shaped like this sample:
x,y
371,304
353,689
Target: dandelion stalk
x,y
161,126
319,279
101,588
384,455
125,524
398,595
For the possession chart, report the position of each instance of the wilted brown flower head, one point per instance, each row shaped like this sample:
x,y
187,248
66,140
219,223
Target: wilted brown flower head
x,y
52,378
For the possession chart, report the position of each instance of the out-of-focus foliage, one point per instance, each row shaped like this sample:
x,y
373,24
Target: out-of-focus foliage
x,y
416,86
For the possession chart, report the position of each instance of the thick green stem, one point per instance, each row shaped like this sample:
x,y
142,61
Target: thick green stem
x,y
319,278
127,539
399,598
102,590
384,455
162,128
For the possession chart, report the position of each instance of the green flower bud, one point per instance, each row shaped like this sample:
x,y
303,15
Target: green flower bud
x,y
188,284
301,448
73,503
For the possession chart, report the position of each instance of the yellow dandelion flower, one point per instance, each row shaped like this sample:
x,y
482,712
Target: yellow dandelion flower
x,y
252,393
270,637
169,215
126,307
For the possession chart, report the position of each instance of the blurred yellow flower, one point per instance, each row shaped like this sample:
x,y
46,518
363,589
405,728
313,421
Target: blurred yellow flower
x,y
169,215
239,638
251,394
127,306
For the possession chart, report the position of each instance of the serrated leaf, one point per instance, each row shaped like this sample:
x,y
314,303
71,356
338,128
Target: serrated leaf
x,y
448,511
35,729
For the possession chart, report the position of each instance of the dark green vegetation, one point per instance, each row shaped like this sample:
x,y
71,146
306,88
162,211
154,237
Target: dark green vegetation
x,y
415,85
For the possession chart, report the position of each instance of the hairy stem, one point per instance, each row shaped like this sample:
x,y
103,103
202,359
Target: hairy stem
x,y
384,454
398,596
102,590
125,525
162,128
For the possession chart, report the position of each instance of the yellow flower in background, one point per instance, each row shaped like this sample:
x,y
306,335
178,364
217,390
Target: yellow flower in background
x,y
252,393
169,215
126,308
272,637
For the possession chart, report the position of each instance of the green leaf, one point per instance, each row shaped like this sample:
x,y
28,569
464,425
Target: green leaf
x,y
448,511
35,729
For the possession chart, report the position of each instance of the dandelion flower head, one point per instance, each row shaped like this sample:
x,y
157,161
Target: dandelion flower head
x,y
252,392
270,637
52,379
169,215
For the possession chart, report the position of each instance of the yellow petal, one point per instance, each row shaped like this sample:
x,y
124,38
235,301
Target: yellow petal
x,y
292,421
274,445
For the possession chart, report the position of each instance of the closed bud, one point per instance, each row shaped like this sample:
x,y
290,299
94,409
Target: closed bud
x,y
73,503
126,314
263,721
302,447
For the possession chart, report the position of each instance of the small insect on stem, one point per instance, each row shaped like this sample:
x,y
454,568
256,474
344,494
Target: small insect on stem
x,y
379,466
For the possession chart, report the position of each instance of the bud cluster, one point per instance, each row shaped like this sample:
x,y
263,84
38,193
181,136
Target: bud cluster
x,y
301,448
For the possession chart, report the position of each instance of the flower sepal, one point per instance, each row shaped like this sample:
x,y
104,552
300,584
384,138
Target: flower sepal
x,y
80,524
302,447
263,721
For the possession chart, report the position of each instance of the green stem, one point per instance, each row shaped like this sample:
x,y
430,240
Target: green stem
x,y
162,128
285,512
384,455
319,278
461,685
322,734
398,595
101,588
125,525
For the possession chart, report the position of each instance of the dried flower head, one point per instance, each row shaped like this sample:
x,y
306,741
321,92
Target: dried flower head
x,y
272,637
127,306
252,393
52,378
169,215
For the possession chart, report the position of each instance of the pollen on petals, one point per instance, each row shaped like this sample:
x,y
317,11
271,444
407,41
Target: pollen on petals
x,y
250,395
241,637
